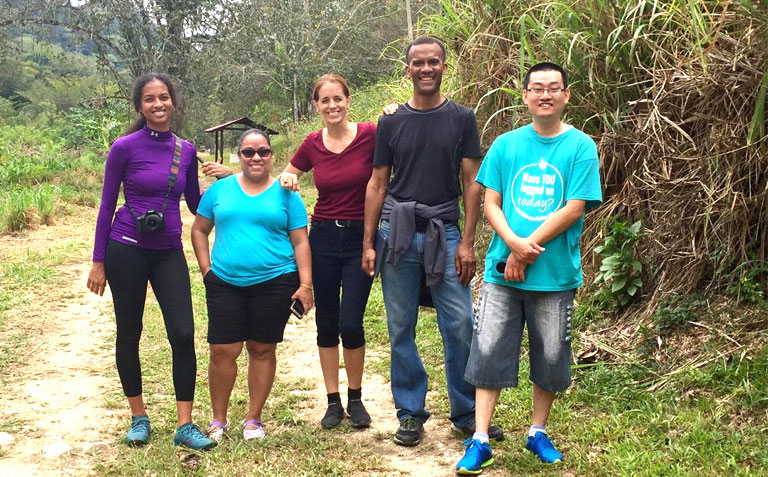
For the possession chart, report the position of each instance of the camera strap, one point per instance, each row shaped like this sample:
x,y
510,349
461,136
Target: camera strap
x,y
173,176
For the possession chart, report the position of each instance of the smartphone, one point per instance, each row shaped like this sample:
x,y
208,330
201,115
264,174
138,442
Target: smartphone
x,y
297,309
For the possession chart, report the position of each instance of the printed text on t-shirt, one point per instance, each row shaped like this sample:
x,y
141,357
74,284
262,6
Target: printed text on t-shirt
x,y
537,191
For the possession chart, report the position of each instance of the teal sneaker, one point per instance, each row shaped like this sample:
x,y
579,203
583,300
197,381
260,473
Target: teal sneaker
x,y
476,458
189,435
540,445
139,433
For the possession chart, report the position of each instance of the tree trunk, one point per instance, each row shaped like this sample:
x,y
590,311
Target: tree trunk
x,y
295,100
408,18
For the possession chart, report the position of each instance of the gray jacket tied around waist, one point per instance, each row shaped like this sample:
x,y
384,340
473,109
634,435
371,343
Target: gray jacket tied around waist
x,y
402,226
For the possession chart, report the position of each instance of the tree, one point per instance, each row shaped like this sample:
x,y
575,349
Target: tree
x,y
289,43
133,36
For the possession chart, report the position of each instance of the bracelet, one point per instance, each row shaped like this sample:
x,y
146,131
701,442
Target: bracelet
x,y
304,285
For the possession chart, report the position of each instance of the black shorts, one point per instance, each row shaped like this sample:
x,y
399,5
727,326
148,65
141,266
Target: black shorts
x,y
257,312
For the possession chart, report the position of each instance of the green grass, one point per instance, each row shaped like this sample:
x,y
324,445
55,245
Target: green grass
x,y
708,421
40,177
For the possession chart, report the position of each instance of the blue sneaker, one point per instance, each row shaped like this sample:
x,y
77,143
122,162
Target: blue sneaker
x,y
540,445
476,458
189,435
139,433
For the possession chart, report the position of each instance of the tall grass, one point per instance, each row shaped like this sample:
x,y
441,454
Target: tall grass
x,y
40,175
24,207
673,91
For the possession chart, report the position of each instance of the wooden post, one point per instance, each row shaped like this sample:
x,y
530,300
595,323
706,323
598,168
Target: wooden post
x,y
218,148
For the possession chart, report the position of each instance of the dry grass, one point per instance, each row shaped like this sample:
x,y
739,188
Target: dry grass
x,y
673,93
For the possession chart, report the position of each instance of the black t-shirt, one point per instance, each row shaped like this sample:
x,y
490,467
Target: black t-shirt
x,y
425,148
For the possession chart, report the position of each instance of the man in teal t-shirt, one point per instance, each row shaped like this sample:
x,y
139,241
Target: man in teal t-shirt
x,y
539,181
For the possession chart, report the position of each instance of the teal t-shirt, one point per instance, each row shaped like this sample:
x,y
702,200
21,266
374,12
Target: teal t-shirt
x,y
252,244
536,176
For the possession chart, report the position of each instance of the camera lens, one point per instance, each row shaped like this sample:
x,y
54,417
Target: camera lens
x,y
152,221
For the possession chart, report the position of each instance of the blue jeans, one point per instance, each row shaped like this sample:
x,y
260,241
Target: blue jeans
x,y
453,302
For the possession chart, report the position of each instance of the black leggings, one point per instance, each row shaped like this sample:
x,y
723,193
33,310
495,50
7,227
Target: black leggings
x,y
128,269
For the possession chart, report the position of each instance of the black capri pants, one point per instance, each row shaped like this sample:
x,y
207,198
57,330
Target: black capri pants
x,y
341,286
128,270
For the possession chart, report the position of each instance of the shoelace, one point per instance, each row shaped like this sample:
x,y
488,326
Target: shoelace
x,y
192,432
410,423
141,425
543,442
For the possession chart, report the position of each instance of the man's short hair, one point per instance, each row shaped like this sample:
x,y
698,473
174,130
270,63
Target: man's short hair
x,y
424,40
545,67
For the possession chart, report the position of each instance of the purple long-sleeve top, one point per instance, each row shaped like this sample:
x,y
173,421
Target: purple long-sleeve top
x,y
141,161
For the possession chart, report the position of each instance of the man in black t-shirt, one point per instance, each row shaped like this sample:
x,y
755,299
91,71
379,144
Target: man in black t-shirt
x,y
433,146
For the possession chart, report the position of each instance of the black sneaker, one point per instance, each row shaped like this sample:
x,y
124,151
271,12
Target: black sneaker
x,y
409,432
494,432
333,416
358,416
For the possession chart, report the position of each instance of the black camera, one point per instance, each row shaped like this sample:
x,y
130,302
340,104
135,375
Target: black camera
x,y
151,221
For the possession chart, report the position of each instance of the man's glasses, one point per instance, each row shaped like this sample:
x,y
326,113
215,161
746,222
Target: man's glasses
x,y
552,91
263,152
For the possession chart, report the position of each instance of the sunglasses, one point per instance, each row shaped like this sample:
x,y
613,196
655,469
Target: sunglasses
x,y
263,152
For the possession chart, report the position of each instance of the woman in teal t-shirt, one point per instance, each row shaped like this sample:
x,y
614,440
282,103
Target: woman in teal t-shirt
x,y
260,264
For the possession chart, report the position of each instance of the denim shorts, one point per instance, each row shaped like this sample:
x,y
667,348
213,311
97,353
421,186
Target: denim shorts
x,y
502,313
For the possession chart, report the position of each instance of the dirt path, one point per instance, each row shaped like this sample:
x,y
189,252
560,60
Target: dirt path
x,y
435,456
54,399
55,405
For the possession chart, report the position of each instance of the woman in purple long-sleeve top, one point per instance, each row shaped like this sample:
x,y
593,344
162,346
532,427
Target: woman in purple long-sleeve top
x,y
128,256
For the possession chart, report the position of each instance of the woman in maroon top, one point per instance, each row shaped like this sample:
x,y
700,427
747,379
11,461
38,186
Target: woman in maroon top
x,y
341,155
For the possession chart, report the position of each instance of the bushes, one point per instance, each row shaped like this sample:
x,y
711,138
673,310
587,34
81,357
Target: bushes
x,y
97,123
38,175
673,93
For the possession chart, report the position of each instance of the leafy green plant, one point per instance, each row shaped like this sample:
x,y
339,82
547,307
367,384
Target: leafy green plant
x,y
97,122
41,177
619,274
749,283
677,310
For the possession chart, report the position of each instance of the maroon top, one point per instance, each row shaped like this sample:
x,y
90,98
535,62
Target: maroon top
x,y
340,178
